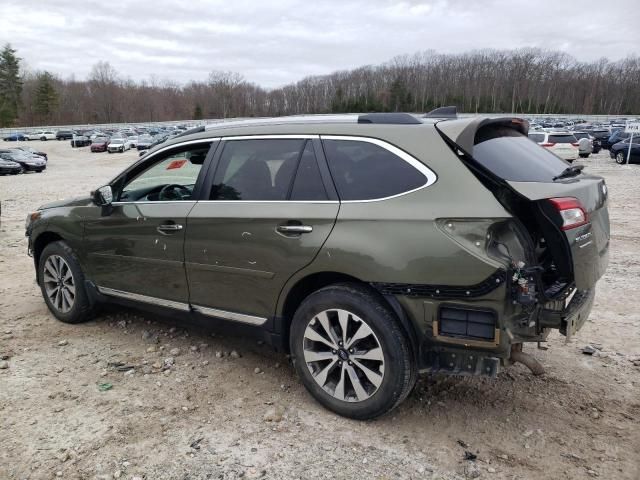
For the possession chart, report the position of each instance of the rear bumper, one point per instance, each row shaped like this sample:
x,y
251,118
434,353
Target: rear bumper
x,y
571,318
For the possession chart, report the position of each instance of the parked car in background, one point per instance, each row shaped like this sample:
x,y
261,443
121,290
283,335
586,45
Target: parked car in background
x,y
314,236
133,140
619,151
99,144
43,135
28,163
9,167
118,144
615,137
32,151
65,134
561,143
144,142
15,137
80,141
585,143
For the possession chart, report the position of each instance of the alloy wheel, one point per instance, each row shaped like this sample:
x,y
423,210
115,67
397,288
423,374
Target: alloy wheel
x,y
344,355
59,283
620,158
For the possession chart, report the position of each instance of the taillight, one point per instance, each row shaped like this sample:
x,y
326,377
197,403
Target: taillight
x,y
571,211
575,144
547,144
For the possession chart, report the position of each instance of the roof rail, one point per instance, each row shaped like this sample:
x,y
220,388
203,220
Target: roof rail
x,y
389,118
443,112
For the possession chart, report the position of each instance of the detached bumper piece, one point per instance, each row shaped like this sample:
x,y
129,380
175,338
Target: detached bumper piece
x,y
461,363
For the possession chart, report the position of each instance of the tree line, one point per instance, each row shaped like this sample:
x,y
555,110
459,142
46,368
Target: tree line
x,y
523,81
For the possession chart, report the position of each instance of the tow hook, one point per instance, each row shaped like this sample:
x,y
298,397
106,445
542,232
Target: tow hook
x,y
517,355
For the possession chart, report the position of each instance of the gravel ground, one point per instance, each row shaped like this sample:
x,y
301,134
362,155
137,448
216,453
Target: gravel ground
x,y
232,408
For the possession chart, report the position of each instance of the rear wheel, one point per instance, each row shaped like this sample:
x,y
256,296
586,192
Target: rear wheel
x,y
351,352
62,284
620,158
44,139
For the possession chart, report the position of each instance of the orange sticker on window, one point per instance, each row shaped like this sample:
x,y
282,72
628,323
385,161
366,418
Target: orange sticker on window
x,y
176,164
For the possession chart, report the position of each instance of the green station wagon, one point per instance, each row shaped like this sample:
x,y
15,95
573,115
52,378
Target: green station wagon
x,y
371,248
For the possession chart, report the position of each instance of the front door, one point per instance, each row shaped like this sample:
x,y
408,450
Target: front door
x,y
268,214
137,249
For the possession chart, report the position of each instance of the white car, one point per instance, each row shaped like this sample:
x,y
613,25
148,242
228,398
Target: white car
x,y
41,135
562,144
118,144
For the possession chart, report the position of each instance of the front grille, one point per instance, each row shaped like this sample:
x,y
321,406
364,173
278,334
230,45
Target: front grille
x,y
460,322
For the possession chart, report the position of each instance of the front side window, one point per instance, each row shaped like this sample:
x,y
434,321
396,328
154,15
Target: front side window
x,y
363,170
169,178
261,169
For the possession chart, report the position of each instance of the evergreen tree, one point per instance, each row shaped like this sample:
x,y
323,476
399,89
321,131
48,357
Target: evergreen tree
x,y
46,97
10,86
197,112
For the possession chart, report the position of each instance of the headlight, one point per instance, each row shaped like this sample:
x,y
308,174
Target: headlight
x,y
32,217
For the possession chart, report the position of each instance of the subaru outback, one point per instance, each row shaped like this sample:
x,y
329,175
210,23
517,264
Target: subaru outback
x,y
371,248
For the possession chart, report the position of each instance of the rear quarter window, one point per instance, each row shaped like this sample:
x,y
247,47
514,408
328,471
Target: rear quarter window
x,y
366,171
510,155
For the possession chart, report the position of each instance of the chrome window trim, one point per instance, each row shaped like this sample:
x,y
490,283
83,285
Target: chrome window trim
x,y
275,136
159,202
224,314
429,174
144,298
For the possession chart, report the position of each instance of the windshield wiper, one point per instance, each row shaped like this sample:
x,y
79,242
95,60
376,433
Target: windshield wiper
x,y
570,171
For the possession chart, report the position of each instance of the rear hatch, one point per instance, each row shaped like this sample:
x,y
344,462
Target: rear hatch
x,y
564,209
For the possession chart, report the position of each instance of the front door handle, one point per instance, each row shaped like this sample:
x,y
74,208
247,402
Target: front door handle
x,y
167,228
289,229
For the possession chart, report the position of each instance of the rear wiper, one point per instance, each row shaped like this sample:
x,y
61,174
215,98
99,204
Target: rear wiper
x,y
570,171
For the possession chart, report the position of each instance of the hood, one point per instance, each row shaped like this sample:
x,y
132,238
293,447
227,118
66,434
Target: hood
x,y
69,202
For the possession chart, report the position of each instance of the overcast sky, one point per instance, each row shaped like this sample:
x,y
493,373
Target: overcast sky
x,y
280,41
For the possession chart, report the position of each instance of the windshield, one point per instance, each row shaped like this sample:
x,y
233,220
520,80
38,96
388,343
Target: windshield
x,y
512,156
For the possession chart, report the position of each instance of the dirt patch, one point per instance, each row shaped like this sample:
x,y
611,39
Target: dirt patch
x,y
105,400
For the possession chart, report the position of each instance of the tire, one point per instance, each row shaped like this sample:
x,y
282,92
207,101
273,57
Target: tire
x,y
44,139
584,155
68,307
620,158
391,368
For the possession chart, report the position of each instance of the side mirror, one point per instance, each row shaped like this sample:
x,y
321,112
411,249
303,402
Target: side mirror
x,y
103,196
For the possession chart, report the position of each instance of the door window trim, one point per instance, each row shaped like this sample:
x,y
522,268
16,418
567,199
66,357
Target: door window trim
x,y
429,174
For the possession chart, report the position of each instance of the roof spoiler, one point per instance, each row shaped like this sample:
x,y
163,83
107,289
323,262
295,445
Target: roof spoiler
x,y
443,113
462,132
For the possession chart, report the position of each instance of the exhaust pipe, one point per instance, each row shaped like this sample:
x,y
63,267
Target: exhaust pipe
x,y
517,355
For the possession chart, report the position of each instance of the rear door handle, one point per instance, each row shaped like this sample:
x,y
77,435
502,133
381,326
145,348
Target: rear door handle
x,y
294,229
167,228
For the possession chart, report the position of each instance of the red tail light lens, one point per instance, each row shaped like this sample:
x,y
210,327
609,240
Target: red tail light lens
x,y
571,211
547,144
575,144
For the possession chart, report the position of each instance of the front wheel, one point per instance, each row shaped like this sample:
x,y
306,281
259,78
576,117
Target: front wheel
x,y
62,284
351,352
620,158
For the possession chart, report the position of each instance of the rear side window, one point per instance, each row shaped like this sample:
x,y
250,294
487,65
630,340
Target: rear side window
x,y
581,135
510,155
365,171
257,169
561,139
537,137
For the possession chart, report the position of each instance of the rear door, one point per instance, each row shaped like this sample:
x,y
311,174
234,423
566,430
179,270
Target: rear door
x,y
269,210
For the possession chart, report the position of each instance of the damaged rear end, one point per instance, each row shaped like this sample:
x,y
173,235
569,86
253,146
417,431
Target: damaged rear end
x,y
555,247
